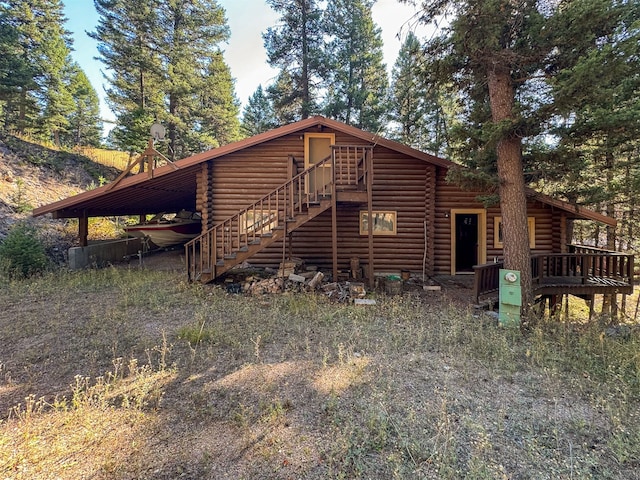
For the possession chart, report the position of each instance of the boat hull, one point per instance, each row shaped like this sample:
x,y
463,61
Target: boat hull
x,y
166,234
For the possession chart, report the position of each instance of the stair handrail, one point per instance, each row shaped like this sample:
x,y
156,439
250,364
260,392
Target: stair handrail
x,y
281,200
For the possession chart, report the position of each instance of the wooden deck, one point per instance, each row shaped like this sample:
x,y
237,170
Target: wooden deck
x,y
584,272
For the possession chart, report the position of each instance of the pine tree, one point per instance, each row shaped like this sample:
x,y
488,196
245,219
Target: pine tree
x,y
55,61
126,35
597,90
285,99
295,49
258,115
168,68
503,56
219,106
17,72
490,48
416,107
37,48
356,77
85,126
191,32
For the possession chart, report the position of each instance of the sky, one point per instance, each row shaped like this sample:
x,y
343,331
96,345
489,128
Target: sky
x,y
244,52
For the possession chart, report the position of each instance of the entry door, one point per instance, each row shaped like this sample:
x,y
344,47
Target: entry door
x,y
317,148
467,244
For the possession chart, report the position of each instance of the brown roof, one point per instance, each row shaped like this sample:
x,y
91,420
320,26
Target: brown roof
x,y
170,189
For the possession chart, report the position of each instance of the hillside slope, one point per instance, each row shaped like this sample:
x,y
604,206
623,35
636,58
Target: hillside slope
x,y
31,176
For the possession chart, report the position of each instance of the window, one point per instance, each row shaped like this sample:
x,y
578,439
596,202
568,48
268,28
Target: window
x,y
497,232
384,222
258,221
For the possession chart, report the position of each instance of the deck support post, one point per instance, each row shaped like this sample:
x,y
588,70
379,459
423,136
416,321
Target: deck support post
x,y
592,304
334,216
83,230
371,268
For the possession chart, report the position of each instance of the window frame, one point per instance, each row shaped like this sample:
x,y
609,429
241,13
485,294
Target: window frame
x,y
497,226
364,229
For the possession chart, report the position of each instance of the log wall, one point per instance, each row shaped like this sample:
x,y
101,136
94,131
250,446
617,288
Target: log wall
x,y
415,189
548,224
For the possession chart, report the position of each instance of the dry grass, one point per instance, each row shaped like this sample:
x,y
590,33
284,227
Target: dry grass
x,y
108,158
132,374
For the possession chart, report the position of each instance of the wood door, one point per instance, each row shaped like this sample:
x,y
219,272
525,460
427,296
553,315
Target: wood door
x,y
318,148
467,244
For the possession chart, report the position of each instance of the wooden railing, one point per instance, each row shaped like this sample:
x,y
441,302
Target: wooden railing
x,y
486,279
582,266
595,267
352,165
259,219
573,248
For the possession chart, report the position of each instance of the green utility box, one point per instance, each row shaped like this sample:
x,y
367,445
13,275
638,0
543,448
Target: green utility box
x,y
510,298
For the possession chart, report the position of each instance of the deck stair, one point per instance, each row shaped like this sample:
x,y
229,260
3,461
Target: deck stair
x,y
271,218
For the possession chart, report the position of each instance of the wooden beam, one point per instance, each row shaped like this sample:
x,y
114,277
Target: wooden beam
x,y
148,157
83,230
371,268
334,235
334,216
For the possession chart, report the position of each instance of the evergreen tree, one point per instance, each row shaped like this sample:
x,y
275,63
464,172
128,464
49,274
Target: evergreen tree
x,y
285,99
17,72
258,115
416,108
598,93
37,47
85,126
295,49
503,56
126,35
55,61
356,77
168,67
219,106
191,29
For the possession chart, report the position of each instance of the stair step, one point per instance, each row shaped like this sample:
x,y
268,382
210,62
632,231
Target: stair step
x,y
220,263
244,248
256,241
230,256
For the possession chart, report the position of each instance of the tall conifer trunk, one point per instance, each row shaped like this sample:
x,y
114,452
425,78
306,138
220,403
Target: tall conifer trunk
x,y
513,201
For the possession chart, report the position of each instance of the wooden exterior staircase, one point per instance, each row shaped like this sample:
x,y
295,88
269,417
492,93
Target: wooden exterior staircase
x,y
271,218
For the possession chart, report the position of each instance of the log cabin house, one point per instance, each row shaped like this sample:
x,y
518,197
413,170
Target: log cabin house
x,y
335,195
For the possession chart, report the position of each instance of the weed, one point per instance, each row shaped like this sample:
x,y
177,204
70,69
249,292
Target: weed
x,y
197,334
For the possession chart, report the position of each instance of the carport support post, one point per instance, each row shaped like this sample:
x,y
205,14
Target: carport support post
x,y
83,230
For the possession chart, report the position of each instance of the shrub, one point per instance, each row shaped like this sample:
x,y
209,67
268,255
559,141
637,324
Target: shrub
x,y
21,253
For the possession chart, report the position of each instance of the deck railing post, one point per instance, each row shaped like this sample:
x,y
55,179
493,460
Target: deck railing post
x,y
541,274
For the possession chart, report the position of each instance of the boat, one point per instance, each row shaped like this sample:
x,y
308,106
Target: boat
x,y
167,230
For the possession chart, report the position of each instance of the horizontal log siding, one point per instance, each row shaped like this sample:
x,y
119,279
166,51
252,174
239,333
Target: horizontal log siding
x,y
450,197
399,185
